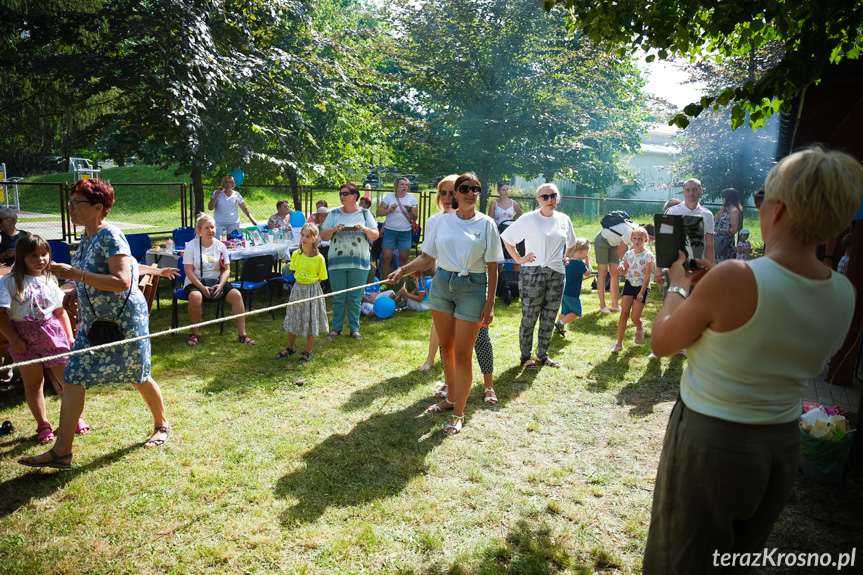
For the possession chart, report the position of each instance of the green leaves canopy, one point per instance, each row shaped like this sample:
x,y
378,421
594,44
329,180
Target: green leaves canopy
x,y
813,33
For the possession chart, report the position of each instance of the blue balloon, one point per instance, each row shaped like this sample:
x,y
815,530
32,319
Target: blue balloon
x,y
238,176
297,219
384,307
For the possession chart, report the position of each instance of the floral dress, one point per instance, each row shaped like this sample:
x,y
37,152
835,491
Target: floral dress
x,y
723,248
127,363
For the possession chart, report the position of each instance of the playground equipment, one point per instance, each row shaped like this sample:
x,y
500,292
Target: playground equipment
x,y
83,169
9,200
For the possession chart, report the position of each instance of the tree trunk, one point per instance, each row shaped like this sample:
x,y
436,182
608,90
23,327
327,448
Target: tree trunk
x,y
484,174
198,191
295,190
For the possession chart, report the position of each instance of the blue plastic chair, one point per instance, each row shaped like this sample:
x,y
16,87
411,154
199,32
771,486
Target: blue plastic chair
x,y
60,253
285,280
254,275
139,244
415,240
181,236
180,294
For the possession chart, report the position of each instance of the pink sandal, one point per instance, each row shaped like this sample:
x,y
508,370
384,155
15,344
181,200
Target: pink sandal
x,y
44,434
82,428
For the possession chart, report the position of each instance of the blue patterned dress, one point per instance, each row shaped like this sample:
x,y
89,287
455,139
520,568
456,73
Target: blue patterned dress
x,y
129,363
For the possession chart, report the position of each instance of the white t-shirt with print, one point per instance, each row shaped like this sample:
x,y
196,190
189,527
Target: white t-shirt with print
x,y
227,208
682,210
463,245
210,258
637,266
545,237
396,221
40,296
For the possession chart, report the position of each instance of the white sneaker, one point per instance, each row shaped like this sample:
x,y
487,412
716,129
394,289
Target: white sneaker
x,y
617,348
614,308
604,310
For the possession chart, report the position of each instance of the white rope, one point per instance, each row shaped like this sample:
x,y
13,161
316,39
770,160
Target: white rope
x,y
183,328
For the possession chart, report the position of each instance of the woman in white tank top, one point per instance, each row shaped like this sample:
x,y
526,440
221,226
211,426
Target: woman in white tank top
x,y
731,448
504,208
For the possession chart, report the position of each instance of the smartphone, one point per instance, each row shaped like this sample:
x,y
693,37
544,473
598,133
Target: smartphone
x,y
676,234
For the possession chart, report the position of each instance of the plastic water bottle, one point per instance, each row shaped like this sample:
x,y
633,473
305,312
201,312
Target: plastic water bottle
x,y
224,235
169,245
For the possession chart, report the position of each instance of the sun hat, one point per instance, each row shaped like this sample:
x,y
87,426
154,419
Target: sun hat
x,y
744,231
322,210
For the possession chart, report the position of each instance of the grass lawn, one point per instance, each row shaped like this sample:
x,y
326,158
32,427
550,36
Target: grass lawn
x,y
346,474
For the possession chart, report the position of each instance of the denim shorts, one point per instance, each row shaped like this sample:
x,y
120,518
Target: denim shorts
x,y
394,239
462,296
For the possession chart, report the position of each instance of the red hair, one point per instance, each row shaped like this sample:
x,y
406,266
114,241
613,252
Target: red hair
x,y
96,191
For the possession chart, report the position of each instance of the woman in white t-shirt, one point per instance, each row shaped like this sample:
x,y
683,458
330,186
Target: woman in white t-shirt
x,y
466,245
207,268
504,208
400,209
549,242
225,203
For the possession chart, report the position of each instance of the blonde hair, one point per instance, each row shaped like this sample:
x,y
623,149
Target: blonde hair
x,y
315,232
548,186
640,230
449,179
581,244
226,179
821,190
200,220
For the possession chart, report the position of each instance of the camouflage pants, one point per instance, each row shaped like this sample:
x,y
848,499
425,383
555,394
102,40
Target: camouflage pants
x,y
541,290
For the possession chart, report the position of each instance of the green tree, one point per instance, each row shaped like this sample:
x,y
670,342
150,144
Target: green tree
x,y
715,153
812,34
500,87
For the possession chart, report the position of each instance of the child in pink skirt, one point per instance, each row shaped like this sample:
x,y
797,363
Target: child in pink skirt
x,y
32,318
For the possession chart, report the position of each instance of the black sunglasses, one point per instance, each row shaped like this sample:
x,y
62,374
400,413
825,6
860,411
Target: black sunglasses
x,y
758,199
546,197
447,192
466,189
343,194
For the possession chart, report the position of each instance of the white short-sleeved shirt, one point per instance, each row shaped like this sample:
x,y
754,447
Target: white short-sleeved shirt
x,y
682,210
638,266
210,258
463,246
227,208
40,296
545,237
624,231
396,221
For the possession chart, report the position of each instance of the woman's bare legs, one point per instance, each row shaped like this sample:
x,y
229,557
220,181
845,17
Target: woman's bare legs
x,y
70,411
235,298
457,338
434,343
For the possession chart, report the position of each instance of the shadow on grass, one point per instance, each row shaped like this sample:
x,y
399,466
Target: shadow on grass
x,y
611,370
18,492
394,386
11,396
528,549
381,454
653,387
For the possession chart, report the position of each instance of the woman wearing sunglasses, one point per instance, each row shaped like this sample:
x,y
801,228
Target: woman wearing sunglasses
x,y
466,245
446,203
730,453
549,241
351,230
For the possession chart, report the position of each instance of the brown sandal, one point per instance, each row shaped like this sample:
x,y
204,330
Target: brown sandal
x,y
245,339
154,442
193,340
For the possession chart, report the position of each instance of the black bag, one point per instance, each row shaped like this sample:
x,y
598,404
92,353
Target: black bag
x,y
106,330
614,218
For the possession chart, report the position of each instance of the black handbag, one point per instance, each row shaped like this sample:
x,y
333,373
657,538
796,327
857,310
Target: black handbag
x,y
106,330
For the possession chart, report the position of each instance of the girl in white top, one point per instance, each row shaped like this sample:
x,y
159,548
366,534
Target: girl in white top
x,y
504,208
207,268
549,241
32,318
466,245
755,333
636,268
225,203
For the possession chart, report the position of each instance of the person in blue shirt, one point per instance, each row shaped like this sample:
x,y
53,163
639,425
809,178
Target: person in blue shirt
x,y
576,270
